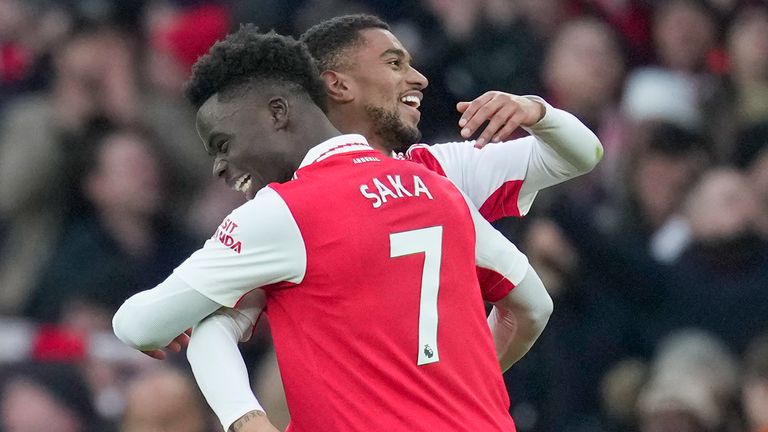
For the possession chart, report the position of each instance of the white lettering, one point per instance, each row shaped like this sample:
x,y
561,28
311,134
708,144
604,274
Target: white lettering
x,y
365,159
380,198
369,195
398,186
383,190
419,185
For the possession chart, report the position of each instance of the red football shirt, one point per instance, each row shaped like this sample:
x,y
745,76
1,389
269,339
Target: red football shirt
x,y
375,309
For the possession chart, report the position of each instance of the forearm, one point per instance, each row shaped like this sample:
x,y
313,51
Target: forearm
x,y
512,342
569,140
517,320
219,368
152,319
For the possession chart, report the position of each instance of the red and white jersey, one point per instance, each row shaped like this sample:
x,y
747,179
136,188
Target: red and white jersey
x,y
502,179
375,308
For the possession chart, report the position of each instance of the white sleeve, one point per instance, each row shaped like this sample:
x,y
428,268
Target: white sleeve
x,y
258,245
564,148
152,319
502,179
522,305
517,319
500,265
219,368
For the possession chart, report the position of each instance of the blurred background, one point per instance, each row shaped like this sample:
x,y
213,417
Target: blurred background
x,y
657,261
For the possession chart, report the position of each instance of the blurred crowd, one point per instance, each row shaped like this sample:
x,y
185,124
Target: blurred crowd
x,y
657,261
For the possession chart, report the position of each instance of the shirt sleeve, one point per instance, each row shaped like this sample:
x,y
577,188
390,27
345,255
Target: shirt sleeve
x,y
218,366
502,179
500,265
258,245
151,319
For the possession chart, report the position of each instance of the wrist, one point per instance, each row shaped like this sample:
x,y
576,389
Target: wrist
x,y
255,417
538,112
539,108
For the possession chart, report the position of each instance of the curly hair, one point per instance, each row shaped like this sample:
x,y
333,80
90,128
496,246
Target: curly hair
x,y
247,55
328,40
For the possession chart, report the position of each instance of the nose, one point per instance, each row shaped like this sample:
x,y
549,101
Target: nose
x,y
418,78
219,168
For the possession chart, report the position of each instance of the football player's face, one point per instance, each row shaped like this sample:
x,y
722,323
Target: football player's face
x,y
239,133
387,87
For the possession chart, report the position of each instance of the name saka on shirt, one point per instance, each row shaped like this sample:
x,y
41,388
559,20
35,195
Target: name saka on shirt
x,y
378,190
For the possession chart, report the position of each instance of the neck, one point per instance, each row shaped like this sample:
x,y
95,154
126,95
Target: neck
x,y
355,121
315,128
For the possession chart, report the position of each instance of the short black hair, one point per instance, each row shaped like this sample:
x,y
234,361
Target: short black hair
x,y
248,55
328,40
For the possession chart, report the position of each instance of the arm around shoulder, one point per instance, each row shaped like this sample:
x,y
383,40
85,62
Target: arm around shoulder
x,y
152,319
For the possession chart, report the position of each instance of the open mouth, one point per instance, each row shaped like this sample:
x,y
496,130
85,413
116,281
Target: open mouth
x,y
412,101
243,184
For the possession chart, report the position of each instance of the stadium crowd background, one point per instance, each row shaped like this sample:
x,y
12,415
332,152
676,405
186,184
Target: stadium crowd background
x,y
657,261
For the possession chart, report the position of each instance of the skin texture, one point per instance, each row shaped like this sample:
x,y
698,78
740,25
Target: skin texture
x,y
366,93
253,421
365,97
256,134
239,151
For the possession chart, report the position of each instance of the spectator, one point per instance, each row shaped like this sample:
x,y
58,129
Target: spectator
x,y
124,244
590,89
674,88
684,32
691,387
464,54
93,79
46,397
177,37
554,384
662,167
741,100
721,277
164,400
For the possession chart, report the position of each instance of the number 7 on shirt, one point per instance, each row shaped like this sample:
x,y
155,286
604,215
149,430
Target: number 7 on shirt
x,y
430,242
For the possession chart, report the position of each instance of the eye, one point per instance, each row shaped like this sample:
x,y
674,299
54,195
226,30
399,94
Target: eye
x,y
223,146
395,62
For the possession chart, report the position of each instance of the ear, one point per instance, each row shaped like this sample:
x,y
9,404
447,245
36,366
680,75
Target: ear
x,y
337,86
278,109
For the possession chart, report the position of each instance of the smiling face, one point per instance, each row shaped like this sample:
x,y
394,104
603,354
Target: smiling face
x,y
384,86
245,133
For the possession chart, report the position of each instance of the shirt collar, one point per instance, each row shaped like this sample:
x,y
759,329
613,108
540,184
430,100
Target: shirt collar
x,y
336,145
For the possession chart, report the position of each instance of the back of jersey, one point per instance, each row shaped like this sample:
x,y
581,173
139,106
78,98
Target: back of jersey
x,y
387,330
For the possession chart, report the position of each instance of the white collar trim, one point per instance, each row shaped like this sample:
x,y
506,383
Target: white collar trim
x,y
336,145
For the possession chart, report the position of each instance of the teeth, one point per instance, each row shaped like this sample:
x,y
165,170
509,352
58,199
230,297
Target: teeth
x,y
411,100
243,183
